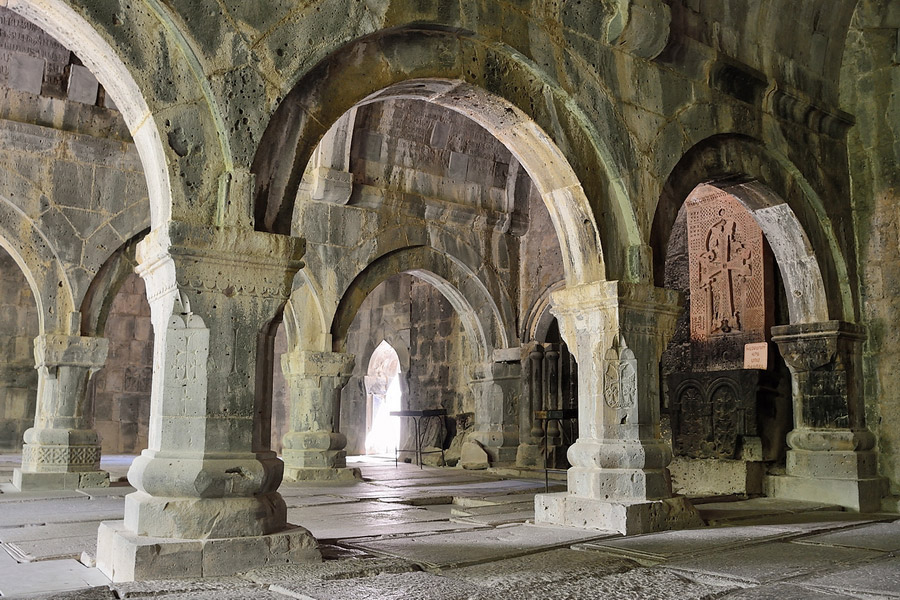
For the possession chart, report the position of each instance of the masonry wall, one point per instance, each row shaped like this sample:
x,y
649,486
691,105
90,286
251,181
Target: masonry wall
x,y
120,391
18,378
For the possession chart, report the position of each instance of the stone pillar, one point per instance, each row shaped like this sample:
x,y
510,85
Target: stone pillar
x,y
618,480
497,387
313,447
62,450
206,502
831,457
528,454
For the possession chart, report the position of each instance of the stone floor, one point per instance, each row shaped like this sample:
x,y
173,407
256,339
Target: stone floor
x,y
451,534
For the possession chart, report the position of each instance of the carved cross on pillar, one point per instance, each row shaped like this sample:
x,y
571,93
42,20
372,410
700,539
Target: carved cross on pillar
x,y
725,261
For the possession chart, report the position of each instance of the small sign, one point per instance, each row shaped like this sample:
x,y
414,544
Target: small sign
x,y
756,356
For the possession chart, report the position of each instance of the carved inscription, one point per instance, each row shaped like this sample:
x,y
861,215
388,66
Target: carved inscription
x,y
727,278
20,35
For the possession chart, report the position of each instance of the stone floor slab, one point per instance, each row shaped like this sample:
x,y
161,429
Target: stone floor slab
x,y
470,547
345,508
66,510
877,536
785,591
495,519
769,562
48,576
879,579
715,513
53,549
659,547
402,586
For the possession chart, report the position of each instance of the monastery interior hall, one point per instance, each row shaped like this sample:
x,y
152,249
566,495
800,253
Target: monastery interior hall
x,y
450,299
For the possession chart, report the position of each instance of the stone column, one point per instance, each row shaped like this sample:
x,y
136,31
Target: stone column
x,y
618,480
206,502
497,387
831,457
314,448
529,453
62,450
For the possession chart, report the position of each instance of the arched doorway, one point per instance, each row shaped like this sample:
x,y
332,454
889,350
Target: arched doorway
x,y
383,395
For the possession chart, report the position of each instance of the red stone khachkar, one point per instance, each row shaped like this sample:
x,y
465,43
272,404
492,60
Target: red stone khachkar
x,y
727,278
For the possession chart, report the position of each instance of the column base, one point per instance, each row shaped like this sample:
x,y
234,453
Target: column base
x,y
628,519
69,480
498,446
529,456
860,495
123,555
321,474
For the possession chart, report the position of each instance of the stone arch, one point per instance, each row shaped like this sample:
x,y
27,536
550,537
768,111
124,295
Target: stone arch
x,y
783,203
541,125
43,269
537,322
475,309
103,288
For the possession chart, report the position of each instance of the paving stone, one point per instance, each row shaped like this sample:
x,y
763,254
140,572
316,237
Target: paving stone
x,y
879,578
878,536
784,591
62,511
810,522
721,512
401,586
52,549
768,562
48,531
327,570
164,587
658,547
344,508
94,593
9,493
497,518
48,576
471,547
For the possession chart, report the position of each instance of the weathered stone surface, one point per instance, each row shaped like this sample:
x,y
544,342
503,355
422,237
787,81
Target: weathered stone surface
x,y
473,456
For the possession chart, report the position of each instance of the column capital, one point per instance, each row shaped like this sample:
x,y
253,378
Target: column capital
x,y
310,363
809,346
54,350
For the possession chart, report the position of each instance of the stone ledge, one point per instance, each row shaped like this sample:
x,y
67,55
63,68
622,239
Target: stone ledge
x,y
71,480
321,474
860,495
124,556
628,519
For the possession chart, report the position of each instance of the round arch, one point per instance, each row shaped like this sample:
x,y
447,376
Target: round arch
x,y
548,134
106,284
477,313
43,270
789,212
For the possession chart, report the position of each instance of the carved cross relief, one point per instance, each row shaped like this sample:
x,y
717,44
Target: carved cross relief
x,y
725,247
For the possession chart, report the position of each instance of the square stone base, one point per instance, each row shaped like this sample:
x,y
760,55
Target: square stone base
x,y
29,480
861,495
628,519
123,555
322,474
712,476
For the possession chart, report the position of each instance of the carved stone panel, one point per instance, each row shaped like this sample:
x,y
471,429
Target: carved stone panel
x,y
728,278
711,412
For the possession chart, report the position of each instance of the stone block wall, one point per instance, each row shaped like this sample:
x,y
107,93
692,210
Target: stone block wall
x,y
121,390
18,378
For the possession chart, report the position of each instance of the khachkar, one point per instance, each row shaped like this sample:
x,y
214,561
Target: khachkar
x,y
206,502
713,400
62,450
618,480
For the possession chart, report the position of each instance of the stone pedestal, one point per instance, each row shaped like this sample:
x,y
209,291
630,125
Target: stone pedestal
x,y
496,388
207,475
313,447
62,450
618,480
831,457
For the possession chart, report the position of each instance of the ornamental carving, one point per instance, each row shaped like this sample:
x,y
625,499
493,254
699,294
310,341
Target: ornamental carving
x,y
619,368
727,277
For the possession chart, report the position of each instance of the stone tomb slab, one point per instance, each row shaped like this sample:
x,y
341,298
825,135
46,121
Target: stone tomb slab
x,y
388,586
472,547
877,536
810,522
880,579
389,522
48,576
659,547
768,563
68,510
347,508
564,574
722,512
50,541
785,591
